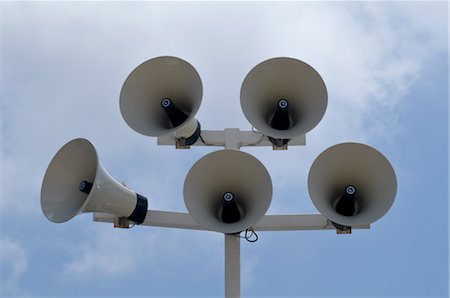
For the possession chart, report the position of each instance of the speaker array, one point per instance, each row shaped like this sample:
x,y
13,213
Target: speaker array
x,y
227,191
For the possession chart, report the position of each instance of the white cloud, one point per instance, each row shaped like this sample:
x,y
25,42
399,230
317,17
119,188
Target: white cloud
x,y
356,48
369,62
109,252
13,265
105,253
64,64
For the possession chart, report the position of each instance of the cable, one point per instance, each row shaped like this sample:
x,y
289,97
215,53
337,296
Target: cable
x,y
201,138
260,140
255,131
247,236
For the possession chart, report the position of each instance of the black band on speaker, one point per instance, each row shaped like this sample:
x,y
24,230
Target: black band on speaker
x,y
140,211
192,139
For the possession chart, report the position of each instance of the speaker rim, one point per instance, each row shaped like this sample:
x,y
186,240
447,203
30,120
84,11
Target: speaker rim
x,y
233,227
47,174
292,132
386,169
196,106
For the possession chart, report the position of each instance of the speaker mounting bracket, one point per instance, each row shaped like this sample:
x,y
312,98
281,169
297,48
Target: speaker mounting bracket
x,y
280,147
121,222
231,138
180,143
340,229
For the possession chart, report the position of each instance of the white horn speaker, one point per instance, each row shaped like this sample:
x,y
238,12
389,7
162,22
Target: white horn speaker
x,y
162,96
352,184
283,97
227,191
75,182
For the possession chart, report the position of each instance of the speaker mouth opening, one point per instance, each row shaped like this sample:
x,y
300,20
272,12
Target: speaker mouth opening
x,y
229,209
176,115
347,201
85,187
279,115
280,124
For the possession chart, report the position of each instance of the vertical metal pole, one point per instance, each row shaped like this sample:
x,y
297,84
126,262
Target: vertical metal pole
x,y
232,266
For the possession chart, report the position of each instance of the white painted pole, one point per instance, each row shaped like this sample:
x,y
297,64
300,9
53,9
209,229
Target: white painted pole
x,y
232,266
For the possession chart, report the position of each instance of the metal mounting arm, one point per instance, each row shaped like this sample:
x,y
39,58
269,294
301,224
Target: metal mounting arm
x,y
183,220
231,138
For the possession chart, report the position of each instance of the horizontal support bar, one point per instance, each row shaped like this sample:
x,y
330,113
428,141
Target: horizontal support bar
x,y
183,220
297,222
166,219
231,138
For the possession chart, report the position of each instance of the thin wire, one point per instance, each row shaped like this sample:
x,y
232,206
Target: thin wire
x,y
255,131
201,138
260,140
247,236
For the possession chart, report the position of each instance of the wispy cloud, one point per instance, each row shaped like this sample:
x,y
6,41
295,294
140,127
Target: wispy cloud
x,y
112,253
368,60
106,254
369,54
13,265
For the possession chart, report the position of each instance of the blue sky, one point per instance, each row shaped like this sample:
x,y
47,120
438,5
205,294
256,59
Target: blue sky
x,y
385,65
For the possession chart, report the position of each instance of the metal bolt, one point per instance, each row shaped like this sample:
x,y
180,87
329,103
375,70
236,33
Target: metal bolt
x,y
228,196
350,189
166,102
283,103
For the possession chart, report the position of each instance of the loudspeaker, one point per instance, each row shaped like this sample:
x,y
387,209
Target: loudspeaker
x,y
352,184
227,191
75,182
283,98
161,96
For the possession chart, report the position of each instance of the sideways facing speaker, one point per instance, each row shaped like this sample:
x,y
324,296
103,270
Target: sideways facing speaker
x,y
161,96
283,98
352,184
75,182
228,191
